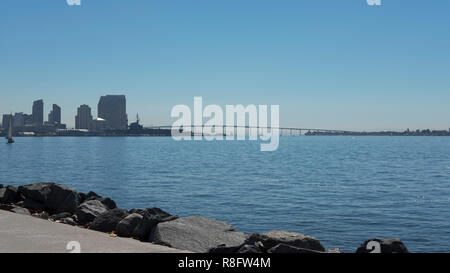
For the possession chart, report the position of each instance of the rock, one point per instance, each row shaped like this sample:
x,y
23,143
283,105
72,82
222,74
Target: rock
x,y
7,207
108,220
386,246
283,248
20,210
56,198
37,192
138,211
127,225
9,195
60,216
68,221
275,237
249,249
151,217
223,249
42,215
31,205
92,194
89,210
1,186
82,197
62,199
197,234
108,202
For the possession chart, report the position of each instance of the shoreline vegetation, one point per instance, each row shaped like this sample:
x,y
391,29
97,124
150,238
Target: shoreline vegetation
x,y
62,204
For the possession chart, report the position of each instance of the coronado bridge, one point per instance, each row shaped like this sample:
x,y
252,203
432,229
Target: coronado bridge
x,y
284,131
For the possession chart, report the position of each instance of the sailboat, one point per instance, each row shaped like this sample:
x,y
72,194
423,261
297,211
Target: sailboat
x,y
10,139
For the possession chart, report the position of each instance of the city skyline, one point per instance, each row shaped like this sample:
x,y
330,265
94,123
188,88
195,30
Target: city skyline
x,y
328,64
112,115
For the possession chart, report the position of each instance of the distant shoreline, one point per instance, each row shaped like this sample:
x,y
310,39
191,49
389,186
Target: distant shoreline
x,y
168,133
306,135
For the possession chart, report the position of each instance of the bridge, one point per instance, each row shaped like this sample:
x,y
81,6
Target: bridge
x,y
284,131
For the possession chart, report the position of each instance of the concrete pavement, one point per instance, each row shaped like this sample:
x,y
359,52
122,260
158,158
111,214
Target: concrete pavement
x,y
27,234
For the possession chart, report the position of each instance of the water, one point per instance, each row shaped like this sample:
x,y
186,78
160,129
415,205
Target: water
x,y
341,190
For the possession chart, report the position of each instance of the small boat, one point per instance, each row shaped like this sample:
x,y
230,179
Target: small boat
x,y
10,139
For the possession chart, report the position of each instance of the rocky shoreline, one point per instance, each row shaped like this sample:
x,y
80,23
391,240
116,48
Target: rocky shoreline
x,y
59,203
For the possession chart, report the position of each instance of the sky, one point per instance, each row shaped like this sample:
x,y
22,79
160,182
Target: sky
x,y
332,64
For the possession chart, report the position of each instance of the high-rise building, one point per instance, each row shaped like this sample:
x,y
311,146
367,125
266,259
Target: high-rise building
x,y
5,121
113,109
18,120
83,118
27,119
55,115
38,112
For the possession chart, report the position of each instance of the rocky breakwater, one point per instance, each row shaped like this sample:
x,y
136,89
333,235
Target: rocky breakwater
x,y
62,204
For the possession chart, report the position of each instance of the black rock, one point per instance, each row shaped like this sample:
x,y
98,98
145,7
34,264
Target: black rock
x,y
1,186
382,246
245,248
62,199
223,249
138,211
32,205
60,216
151,217
108,202
37,192
275,237
56,197
81,197
89,210
249,249
108,220
69,221
127,225
9,195
92,194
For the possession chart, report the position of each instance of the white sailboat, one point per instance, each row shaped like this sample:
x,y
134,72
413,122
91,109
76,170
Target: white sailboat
x,y
10,139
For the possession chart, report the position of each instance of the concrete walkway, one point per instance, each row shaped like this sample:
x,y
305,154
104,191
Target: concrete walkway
x,y
27,234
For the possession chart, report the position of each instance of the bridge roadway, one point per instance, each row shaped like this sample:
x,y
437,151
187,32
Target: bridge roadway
x,y
293,131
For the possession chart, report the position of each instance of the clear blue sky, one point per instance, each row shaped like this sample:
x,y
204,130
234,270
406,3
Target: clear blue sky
x,y
327,63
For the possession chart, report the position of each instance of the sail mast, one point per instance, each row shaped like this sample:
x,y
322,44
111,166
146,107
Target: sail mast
x,y
10,127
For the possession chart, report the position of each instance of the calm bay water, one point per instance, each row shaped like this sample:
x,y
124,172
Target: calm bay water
x,y
341,190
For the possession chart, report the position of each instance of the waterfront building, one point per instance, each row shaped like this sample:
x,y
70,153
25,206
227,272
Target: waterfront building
x,y
18,120
27,119
38,112
98,125
83,118
5,121
55,115
113,109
